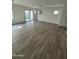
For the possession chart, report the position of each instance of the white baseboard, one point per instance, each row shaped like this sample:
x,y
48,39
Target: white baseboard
x,y
62,25
48,21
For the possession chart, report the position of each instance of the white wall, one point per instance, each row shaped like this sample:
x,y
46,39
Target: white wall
x,y
49,16
18,13
63,20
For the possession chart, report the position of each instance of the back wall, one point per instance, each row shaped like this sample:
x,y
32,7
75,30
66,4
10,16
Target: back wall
x,y
49,16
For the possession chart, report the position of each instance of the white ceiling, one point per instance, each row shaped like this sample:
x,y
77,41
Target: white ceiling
x,y
36,3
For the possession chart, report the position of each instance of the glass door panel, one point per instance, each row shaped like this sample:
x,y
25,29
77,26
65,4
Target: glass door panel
x,y
28,15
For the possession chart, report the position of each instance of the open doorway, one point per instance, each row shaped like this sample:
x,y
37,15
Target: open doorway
x,y
28,15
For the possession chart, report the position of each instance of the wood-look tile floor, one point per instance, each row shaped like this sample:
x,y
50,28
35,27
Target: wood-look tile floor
x,y
39,40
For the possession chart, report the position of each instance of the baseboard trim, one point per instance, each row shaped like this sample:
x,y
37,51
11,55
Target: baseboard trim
x,y
19,23
48,22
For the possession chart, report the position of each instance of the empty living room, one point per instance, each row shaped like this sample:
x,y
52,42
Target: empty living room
x,y
39,29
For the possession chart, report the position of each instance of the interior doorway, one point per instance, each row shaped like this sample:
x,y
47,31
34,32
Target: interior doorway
x,y
28,15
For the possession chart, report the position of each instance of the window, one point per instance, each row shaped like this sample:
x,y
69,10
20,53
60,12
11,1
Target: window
x,y
56,12
40,12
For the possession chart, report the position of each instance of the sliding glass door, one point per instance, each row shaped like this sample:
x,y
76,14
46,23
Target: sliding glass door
x,y
28,15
